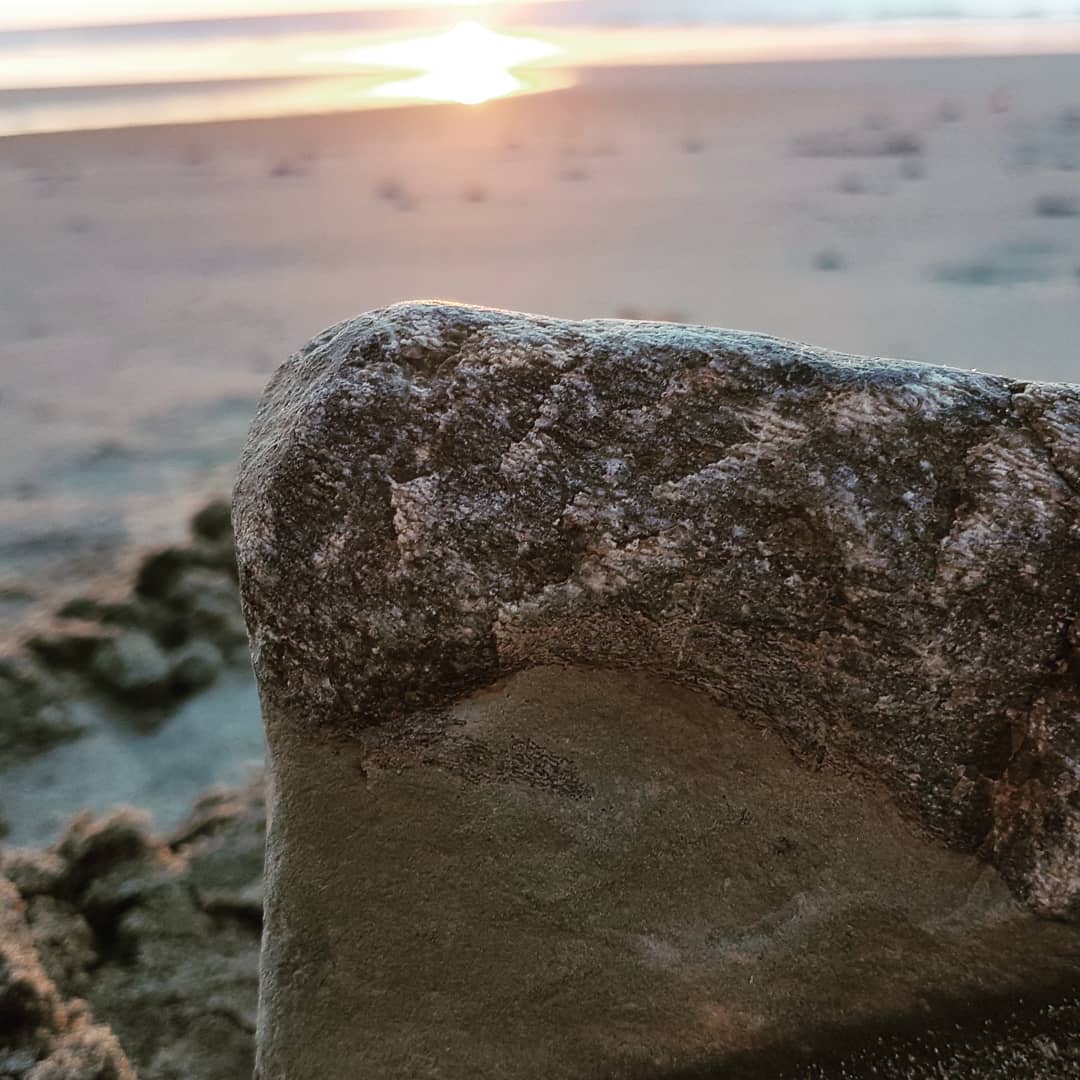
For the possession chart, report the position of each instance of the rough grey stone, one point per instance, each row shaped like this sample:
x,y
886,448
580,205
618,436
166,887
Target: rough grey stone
x,y
33,873
214,521
33,716
195,666
184,597
207,605
64,942
161,940
226,871
132,612
85,1052
160,569
878,559
132,665
29,1004
178,983
42,1035
74,644
84,608
92,846
578,873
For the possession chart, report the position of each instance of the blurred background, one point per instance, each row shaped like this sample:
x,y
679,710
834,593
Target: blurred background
x,y
191,189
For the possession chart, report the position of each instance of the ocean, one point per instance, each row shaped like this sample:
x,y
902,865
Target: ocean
x,y
63,78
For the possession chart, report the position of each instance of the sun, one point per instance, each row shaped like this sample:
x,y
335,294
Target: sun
x,y
468,64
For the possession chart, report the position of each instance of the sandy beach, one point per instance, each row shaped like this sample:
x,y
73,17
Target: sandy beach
x,y
155,277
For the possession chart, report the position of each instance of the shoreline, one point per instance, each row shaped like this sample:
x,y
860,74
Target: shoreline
x,y
587,80
1056,39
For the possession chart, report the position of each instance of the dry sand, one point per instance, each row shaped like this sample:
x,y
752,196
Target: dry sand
x,y
153,278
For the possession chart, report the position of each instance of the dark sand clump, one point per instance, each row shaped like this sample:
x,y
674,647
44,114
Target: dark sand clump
x,y
156,937
143,646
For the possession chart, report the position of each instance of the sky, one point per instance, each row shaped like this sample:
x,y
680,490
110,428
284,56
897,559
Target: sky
x,y
20,14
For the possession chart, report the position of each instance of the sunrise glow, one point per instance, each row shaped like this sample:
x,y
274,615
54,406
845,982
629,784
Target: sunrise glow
x,y
469,64
15,15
